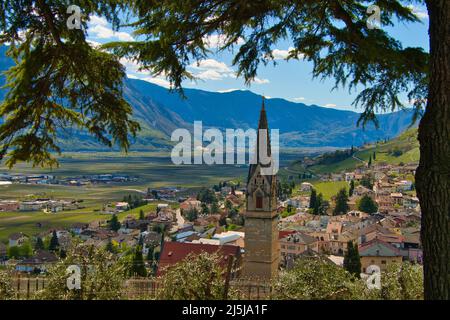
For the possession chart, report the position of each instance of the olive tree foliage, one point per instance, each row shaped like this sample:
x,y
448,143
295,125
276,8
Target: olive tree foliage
x,y
402,282
318,279
59,81
6,286
197,277
102,276
314,278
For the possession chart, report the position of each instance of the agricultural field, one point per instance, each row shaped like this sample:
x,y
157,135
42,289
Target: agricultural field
x,y
35,222
327,188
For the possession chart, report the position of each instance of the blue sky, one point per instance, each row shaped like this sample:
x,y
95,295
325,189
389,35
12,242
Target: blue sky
x,y
290,80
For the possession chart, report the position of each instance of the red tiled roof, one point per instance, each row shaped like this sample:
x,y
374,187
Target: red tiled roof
x,y
285,233
174,252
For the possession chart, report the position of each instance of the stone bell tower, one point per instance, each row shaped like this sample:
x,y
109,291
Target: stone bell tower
x,y
262,252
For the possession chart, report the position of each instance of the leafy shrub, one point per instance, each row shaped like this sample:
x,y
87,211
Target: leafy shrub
x,y
6,286
197,277
101,276
315,278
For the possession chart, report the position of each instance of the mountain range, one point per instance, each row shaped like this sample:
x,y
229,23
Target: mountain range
x,y
160,111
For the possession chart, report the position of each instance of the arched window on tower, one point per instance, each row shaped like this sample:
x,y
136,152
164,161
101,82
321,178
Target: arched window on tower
x,y
259,201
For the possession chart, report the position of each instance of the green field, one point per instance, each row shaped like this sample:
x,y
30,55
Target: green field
x,y
27,222
329,188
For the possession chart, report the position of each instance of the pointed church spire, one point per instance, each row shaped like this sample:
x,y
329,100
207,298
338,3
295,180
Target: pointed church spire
x,y
262,116
262,125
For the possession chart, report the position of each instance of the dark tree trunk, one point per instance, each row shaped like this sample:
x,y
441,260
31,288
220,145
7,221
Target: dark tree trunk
x,y
433,173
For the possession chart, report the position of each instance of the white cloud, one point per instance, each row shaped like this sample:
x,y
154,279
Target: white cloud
x,y
96,20
330,105
260,81
210,69
279,54
214,41
209,75
133,72
99,29
211,64
421,13
299,99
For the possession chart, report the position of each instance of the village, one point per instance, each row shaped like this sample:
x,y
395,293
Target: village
x,y
47,179
377,212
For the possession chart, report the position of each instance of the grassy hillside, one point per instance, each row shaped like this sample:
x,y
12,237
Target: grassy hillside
x,y
404,148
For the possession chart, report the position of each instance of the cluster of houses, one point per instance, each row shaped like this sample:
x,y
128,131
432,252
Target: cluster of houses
x,y
382,239
40,204
392,234
20,178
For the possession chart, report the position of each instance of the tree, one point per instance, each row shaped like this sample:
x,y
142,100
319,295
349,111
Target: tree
x,y
369,164
320,206
228,205
26,250
313,199
207,196
191,214
402,281
13,252
374,155
54,243
214,208
314,278
138,265
341,202
205,209
59,81
141,214
150,252
352,188
6,285
39,245
367,204
109,246
223,221
197,277
114,223
352,262
101,276
367,181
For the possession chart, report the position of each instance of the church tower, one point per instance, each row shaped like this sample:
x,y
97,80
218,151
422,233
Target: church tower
x,y
262,251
